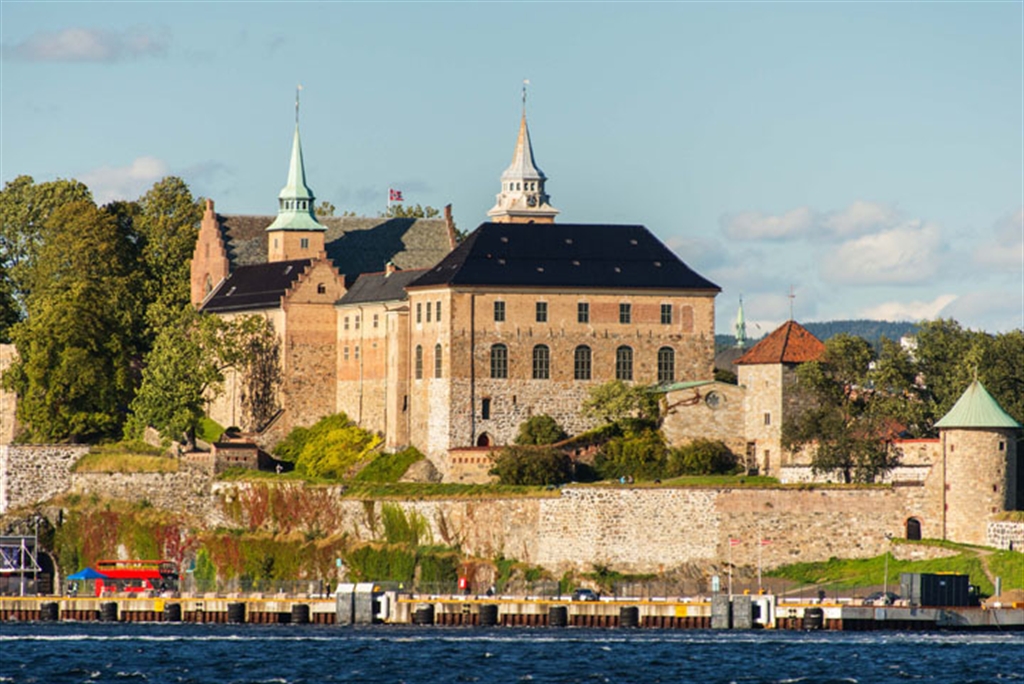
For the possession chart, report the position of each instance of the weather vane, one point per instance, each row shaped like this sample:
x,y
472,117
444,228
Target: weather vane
x,y
526,82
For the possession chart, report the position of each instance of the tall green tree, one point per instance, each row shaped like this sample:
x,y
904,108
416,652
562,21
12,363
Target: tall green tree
x,y
74,375
167,224
411,211
844,423
25,207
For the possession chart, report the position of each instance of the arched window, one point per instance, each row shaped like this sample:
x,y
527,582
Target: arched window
x,y
499,361
581,363
541,362
209,284
437,360
913,528
624,363
666,365
419,362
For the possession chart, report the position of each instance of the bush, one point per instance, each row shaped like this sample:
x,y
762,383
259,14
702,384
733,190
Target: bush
x,y
540,429
328,449
702,457
524,465
389,467
642,456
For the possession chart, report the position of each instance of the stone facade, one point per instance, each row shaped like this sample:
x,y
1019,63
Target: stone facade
x,y
32,474
979,477
187,490
711,411
1005,534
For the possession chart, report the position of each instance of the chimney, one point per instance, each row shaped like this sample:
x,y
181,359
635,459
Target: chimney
x,y
389,268
450,225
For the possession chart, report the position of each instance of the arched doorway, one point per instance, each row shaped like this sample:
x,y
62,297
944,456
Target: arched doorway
x,y
913,529
484,440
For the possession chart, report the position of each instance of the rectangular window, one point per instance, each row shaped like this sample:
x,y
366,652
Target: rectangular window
x,y
666,314
376,320
485,408
499,311
583,312
428,312
437,307
419,362
355,353
767,418
304,243
625,313
345,354
542,312
355,321
419,312
346,322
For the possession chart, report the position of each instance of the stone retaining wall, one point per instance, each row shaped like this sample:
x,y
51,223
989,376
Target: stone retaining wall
x,y
30,474
186,490
1006,535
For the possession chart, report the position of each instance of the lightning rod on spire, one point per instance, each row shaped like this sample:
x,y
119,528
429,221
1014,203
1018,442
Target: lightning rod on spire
x,y
526,82
297,89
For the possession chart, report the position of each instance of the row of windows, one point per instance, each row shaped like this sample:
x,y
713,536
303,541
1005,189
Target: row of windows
x,y
583,363
582,312
295,204
522,186
356,321
419,311
419,361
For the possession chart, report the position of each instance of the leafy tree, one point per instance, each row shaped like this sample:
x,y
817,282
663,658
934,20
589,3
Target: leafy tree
x,y
531,465
844,424
325,208
616,402
10,312
25,208
410,211
331,448
253,348
642,455
74,375
540,429
701,457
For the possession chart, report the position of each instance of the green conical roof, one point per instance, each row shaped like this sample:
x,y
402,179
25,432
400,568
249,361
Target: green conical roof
x,y
977,409
295,201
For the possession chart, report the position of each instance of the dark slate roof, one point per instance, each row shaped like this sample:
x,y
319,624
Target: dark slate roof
x,y
564,255
380,287
257,286
355,245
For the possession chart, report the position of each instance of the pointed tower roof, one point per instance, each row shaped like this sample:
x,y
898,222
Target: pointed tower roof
x,y
523,198
789,343
295,201
740,327
523,166
977,409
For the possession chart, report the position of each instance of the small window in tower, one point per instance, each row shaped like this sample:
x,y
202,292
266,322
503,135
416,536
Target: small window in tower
x,y
419,312
428,312
666,314
499,311
1002,446
582,312
995,488
419,362
355,353
767,418
485,408
437,360
345,324
438,311
304,243
321,288
376,320
355,322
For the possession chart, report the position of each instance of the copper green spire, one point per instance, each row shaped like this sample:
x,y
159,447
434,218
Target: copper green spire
x,y
295,201
977,409
741,327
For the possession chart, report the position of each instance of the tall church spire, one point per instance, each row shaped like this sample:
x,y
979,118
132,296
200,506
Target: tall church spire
x,y
741,327
295,233
522,198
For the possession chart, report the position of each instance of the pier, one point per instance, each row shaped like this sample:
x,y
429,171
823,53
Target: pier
x,y
356,605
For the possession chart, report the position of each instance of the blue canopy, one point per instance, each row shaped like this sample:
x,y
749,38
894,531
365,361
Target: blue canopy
x,y
88,574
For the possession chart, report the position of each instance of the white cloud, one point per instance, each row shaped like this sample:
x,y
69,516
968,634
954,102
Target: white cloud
x,y
908,311
860,218
908,253
1005,251
90,45
124,182
753,225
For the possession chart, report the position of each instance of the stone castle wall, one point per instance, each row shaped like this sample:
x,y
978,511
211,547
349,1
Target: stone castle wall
x,y
30,474
1005,535
980,464
185,490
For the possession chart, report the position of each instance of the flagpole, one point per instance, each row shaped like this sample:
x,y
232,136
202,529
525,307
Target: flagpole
x,y
730,567
760,545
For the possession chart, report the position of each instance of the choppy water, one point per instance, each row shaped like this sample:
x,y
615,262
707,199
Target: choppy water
x,y
90,653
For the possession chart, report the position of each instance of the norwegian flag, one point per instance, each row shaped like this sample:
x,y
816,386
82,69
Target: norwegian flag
x,y
734,542
394,195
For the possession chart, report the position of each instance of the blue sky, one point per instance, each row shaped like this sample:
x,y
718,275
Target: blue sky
x,y
868,155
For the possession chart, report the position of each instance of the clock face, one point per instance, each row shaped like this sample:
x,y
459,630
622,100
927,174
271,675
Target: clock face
x,y
531,200
713,400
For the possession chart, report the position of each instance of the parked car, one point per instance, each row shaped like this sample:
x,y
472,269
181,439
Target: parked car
x,y
585,595
881,598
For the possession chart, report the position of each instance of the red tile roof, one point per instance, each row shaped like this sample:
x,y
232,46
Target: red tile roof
x,y
789,343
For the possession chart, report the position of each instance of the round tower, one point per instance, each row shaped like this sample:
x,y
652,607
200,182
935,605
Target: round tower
x,y
979,464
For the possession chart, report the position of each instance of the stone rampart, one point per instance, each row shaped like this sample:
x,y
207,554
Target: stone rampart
x,y
185,490
1006,535
30,474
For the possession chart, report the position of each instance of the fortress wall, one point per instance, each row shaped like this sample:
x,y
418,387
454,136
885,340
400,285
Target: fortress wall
x,y
186,490
1006,535
30,474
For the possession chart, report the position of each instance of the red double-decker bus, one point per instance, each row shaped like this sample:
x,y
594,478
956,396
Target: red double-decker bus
x,y
136,576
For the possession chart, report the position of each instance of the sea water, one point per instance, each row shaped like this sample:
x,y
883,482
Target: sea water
x,y
90,653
